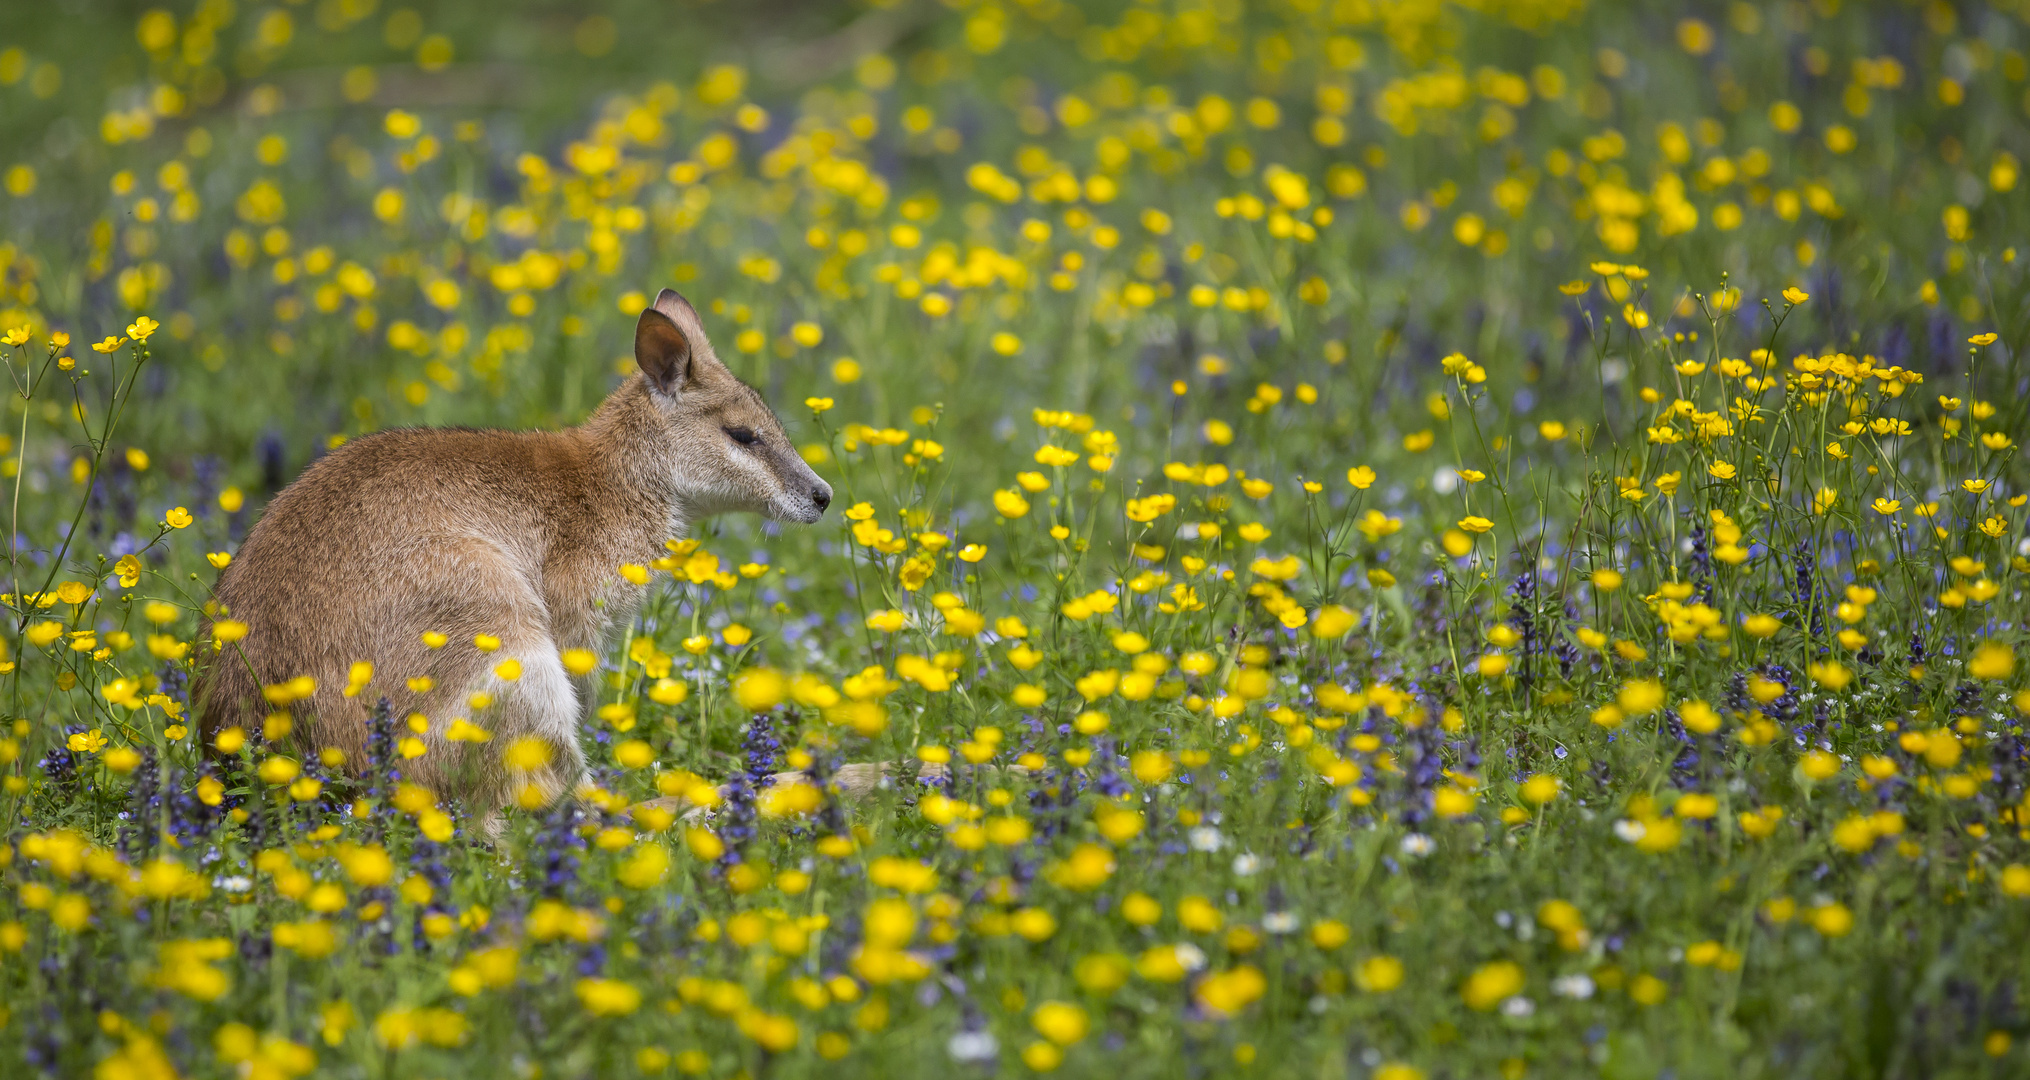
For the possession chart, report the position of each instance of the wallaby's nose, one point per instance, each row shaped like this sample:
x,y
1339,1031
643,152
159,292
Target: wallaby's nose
x,y
822,497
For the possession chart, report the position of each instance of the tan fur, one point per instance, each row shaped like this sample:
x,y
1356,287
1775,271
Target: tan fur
x,y
519,535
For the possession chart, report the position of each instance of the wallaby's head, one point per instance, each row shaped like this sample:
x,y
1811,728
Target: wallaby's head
x,y
730,453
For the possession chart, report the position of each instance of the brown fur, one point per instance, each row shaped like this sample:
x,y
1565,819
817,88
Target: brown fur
x,y
519,535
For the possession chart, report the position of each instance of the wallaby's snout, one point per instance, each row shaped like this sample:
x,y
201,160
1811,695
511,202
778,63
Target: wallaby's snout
x,y
805,498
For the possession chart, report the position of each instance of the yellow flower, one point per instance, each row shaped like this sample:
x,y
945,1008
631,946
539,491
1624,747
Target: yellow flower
x,y
1795,295
759,689
1475,524
1151,767
1361,477
1041,1056
526,754
1228,992
1832,920
1640,697
141,328
1831,674
1491,984
1992,660
110,345
1061,1022
1330,934
607,997
1378,974
1333,621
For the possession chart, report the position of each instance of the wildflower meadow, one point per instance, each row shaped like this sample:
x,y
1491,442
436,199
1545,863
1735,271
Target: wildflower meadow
x,y
1378,539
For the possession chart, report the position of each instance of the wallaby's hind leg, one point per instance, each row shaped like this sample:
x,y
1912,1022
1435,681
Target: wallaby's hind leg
x,y
534,698
541,703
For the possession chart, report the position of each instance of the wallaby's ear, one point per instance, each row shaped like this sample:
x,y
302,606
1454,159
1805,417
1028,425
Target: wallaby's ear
x,y
680,311
663,350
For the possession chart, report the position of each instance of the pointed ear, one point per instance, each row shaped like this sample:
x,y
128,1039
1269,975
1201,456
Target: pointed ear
x,y
663,351
680,311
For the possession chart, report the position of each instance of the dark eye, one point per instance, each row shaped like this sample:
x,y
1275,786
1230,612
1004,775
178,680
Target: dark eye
x,y
741,435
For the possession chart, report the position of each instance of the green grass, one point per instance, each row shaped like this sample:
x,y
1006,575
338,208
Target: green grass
x,y
1436,542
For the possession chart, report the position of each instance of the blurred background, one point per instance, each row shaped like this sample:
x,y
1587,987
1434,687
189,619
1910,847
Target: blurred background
x,y
350,214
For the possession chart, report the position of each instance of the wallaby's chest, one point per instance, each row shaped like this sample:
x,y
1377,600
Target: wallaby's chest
x,y
590,603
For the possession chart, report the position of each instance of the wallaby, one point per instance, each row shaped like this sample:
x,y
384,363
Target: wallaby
x,y
514,535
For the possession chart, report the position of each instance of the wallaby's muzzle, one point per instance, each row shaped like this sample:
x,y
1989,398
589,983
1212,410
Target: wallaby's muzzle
x,y
803,500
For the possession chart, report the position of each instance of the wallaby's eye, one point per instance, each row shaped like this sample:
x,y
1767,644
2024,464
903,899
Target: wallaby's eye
x,y
741,435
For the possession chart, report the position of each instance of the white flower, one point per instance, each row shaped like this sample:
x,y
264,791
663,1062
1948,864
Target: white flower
x,y
1417,845
235,884
1630,831
1518,1007
1190,957
1206,838
1579,987
1279,922
973,1046
1246,863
